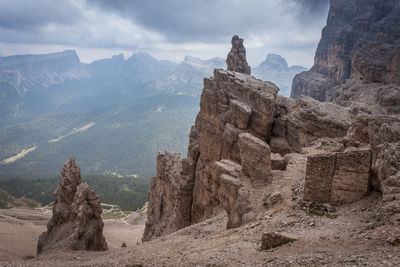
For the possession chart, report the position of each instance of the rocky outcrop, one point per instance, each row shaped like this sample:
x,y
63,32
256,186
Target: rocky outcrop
x,y
382,133
76,223
170,198
244,129
301,121
241,121
236,60
360,42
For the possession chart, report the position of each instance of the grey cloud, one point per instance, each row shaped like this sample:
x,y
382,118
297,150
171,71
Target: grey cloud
x,y
31,15
214,20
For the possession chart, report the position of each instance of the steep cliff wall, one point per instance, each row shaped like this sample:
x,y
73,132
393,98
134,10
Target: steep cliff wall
x,y
361,41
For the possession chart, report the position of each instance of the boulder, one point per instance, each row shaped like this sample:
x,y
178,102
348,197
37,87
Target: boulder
x,y
275,239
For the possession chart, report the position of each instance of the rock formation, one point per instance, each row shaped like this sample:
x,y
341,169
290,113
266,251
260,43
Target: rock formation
x,y
236,60
244,131
170,198
76,223
359,44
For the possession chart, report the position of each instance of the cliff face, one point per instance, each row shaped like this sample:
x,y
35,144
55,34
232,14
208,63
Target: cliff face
x,y
360,41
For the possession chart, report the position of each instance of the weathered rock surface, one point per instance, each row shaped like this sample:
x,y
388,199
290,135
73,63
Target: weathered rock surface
x,y
236,60
256,158
274,239
338,178
360,42
170,198
299,122
76,223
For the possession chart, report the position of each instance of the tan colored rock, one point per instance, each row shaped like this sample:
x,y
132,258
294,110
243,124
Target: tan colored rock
x,y
338,178
318,183
240,113
76,222
351,178
256,158
275,239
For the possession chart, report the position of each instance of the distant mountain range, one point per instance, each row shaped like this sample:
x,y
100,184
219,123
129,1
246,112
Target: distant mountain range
x,y
113,114
38,84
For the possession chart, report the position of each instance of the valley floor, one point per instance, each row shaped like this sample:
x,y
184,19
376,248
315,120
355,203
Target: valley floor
x,y
334,236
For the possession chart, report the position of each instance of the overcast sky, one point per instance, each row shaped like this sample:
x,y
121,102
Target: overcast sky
x,y
167,29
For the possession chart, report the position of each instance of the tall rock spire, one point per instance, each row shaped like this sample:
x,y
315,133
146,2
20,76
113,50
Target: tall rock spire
x,y
236,60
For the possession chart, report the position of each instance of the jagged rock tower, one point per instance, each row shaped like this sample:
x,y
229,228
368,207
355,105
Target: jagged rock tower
x,y
76,223
236,60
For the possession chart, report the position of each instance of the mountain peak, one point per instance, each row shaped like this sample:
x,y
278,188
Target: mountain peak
x,y
276,61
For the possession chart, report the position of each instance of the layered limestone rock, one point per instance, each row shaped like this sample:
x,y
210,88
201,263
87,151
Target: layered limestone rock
x,y
76,223
361,43
236,60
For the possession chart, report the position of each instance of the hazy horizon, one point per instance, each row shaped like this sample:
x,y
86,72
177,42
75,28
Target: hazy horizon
x,y
171,31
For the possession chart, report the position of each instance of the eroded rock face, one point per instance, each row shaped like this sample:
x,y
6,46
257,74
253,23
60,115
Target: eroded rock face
x,y
360,42
382,133
236,60
170,198
301,121
256,158
338,178
76,222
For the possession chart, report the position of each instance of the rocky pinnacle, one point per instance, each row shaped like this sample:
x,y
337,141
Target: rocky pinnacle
x,y
236,60
76,223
